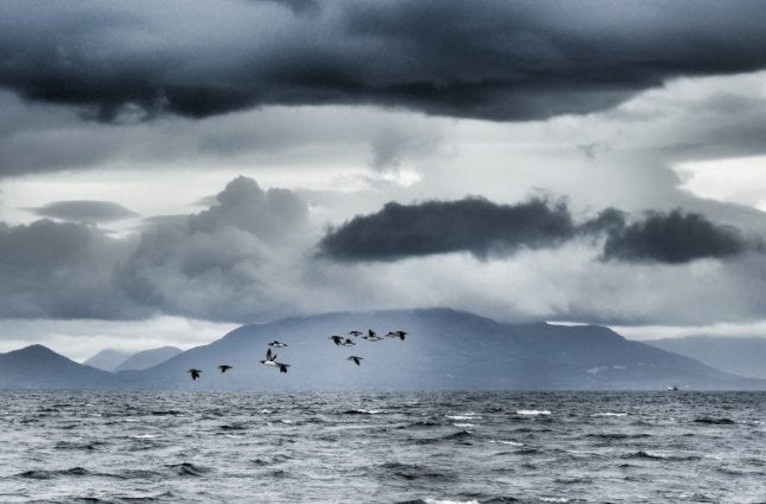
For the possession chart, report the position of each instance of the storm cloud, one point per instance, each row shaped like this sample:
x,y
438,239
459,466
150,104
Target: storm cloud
x,y
674,238
489,59
484,229
436,227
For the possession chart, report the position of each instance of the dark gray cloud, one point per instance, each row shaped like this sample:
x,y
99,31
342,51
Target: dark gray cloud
x,y
489,59
484,228
84,211
62,270
437,227
674,238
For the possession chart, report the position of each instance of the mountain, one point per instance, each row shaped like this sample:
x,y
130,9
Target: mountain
x,y
744,356
148,358
107,360
445,349
37,367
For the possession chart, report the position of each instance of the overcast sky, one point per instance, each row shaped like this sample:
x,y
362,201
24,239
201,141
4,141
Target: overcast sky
x,y
170,170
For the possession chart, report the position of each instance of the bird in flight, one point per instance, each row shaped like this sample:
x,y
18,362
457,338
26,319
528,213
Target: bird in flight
x,y
194,373
371,336
397,334
337,339
282,367
355,333
224,367
348,342
271,359
356,359
277,344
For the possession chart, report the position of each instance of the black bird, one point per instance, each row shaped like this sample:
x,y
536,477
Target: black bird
x,y
224,367
282,367
372,336
355,333
336,339
277,344
401,334
194,373
348,342
356,359
271,359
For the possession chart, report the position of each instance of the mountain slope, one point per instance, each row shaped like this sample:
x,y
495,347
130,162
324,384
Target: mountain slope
x,y
148,358
107,360
446,349
743,356
37,367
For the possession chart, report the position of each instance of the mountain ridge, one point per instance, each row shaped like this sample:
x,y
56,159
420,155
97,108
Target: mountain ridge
x,y
445,349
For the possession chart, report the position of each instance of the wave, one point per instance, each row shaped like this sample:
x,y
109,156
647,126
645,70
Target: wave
x,y
411,472
609,414
360,411
714,421
188,469
42,474
533,412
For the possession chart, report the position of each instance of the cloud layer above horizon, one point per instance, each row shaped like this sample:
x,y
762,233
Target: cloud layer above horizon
x,y
490,59
589,161
252,256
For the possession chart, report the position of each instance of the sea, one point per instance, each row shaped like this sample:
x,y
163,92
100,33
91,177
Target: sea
x,y
382,447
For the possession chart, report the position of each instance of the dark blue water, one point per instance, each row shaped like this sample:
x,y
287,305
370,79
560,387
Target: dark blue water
x,y
382,447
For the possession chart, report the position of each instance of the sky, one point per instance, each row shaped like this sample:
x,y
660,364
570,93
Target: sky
x,y
172,170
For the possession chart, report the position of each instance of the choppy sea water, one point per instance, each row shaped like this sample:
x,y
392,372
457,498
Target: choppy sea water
x,y
435,448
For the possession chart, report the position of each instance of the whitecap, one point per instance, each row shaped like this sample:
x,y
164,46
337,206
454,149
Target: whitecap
x,y
609,414
510,443
533,412
554,499
286,421
143,436
445,501
464,425
471,416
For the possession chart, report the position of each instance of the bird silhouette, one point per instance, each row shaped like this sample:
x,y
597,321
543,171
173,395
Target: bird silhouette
x,y
224,367
348,342
271,359
194,373
355,333
336,339
277,344
356,359
282,367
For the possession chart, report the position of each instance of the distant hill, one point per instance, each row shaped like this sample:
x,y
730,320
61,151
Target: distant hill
x,y
445,349
107,360
745,356
37,367
148,358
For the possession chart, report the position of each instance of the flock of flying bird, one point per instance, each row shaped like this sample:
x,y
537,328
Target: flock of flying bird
x,y
271,358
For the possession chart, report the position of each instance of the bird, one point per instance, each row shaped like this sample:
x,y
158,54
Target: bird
x,y
271,359
348,342
355,333
282,367
400,334
277,344
194,373
224,367
356,359
336,339
371,336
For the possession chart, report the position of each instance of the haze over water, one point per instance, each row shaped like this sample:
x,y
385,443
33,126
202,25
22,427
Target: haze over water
x,y
448,447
